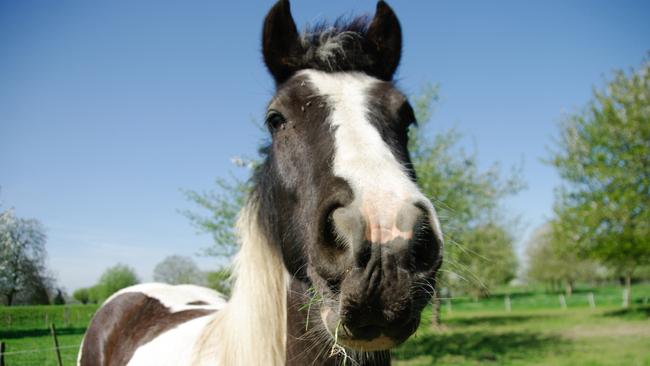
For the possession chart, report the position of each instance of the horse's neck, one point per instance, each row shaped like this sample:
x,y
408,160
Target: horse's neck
x,y
305,346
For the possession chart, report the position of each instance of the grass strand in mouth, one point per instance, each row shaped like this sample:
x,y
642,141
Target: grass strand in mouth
x,y
315,297
337,349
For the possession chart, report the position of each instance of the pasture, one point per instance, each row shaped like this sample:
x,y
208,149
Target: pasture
x,y
537,331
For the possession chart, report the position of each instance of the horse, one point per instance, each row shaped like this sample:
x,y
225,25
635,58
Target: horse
x,y
339,248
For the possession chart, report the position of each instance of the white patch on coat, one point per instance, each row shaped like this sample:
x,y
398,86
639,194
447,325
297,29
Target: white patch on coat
x,y
177,297
174,347
380,183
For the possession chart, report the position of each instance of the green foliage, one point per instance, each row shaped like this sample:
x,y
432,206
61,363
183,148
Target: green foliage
x,y
479,249
552,260
112,280
82,295
603,155
178,270
220,280
491,263
223,204
96,294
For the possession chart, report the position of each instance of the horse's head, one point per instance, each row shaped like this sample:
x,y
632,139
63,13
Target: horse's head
x,y
337,190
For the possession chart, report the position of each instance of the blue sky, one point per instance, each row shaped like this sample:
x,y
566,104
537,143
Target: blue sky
x,y
109,109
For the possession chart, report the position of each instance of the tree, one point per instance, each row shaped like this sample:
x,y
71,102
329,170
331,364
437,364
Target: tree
x,y
479,249
59,299
219,280
22,256
114,279
82,295
178,270
223,205
96,294
603,156
554,261
492,261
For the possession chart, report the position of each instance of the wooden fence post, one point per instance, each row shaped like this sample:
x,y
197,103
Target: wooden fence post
x,y
56,345
508,303
562,301
66,316
2,353
592,301
626,298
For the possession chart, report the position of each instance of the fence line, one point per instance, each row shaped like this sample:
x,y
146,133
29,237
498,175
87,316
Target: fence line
x,y
38,350
510,302
56,344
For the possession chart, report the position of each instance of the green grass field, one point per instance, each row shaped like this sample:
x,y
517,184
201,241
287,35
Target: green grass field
x,y
25,330
603,336
536,332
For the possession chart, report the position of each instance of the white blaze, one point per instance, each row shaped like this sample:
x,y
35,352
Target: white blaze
x,y
380,183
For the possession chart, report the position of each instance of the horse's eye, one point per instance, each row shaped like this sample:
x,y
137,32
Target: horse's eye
x,y
275,120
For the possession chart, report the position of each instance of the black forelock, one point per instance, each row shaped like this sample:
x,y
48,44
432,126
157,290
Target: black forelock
x,y
358,24
339,46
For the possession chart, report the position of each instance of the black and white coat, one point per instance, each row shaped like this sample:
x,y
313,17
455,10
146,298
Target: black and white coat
x,y
339,248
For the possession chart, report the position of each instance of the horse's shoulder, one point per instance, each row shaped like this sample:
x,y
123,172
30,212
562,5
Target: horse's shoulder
x,y
138,314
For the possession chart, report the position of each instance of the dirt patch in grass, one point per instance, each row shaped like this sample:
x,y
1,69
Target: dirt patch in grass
x,y
619,330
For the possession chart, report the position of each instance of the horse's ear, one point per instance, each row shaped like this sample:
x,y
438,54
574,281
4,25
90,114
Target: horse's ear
x,y
385,34
280,41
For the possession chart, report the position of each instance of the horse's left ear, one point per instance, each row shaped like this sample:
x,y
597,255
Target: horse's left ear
x,y
385,33
280,41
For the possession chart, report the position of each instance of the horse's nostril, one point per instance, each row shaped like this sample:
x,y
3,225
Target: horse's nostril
x,y
424,246
332,237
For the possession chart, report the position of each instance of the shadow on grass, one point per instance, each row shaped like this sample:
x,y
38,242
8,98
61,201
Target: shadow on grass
x,y
635,312
492,320
479,346
30,333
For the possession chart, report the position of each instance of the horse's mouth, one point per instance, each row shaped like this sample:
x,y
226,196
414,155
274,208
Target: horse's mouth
x,y
367,338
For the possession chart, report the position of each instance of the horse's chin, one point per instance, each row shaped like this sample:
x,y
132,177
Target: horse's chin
x,y
372,340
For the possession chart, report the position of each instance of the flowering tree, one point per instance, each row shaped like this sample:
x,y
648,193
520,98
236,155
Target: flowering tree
x,y
22,255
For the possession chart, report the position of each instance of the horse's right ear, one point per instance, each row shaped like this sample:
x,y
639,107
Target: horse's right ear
x,y
280,43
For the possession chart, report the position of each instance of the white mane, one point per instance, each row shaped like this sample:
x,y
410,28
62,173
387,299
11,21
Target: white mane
x,y
252,329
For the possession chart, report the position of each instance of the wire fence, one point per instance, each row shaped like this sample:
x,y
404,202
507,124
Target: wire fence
x,y
58,355
31,339
51,349
28,334
524,301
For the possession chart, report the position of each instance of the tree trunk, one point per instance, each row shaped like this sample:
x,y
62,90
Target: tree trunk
x,y
628,289
568,288
10,297
435,310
